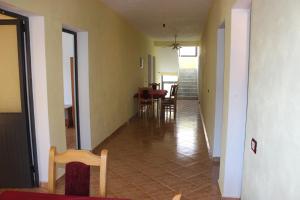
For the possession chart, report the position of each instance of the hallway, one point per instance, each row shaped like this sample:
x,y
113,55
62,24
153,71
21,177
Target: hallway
x,y
148,162
239,58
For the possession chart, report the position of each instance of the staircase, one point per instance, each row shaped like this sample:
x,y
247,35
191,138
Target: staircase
x,y
188,83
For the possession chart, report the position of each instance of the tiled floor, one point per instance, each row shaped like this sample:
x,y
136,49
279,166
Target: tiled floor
x,y
148,160
71,138
152,161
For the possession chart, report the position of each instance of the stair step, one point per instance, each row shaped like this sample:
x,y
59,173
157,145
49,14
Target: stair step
x,y
192,95
187,77
188,74
188,70
188,80
188,90
188,83
188,93
181,88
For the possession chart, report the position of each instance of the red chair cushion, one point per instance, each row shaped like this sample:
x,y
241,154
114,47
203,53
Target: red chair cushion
x,y
77,179
145,94
154,86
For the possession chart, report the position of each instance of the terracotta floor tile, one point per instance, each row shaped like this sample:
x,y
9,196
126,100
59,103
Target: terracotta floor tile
x,y
164,194
71,138
184,187
152,160
185,172
168,179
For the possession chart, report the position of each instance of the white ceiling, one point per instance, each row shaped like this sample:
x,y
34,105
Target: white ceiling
x,y
187,18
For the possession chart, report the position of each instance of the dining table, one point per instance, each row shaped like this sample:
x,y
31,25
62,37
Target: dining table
x,y
158,95
21,195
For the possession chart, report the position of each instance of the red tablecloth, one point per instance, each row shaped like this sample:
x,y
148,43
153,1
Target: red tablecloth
x,y
14,195
156,94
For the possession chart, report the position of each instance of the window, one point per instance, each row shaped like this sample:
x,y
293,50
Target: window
x,y
188,52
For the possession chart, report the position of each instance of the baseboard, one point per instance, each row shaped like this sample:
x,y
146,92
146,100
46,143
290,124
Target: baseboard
x,y
226,198
216,159
204,130
100,146
44,185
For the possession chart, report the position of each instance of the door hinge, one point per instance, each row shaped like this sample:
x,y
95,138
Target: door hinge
x,y
23,25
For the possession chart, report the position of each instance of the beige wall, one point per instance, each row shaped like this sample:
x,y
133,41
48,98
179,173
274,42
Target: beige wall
x,y
114,51
273,108
190,62
220,12
273,102
166,62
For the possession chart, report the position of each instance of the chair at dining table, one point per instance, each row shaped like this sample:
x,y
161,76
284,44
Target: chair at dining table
x,y
155,86
177,197
145,100
170,103
77,175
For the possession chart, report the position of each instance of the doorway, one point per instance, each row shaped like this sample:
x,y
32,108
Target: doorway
x,y
235,102
18,154
154,69
71,105
150,69
216,151
188,58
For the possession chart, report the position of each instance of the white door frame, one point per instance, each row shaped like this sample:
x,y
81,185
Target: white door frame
x,y
83,87
150,73
153,68
234,118
216,150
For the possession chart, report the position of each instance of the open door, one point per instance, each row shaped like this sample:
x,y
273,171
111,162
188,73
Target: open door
x,y
17,145
71,96
150,70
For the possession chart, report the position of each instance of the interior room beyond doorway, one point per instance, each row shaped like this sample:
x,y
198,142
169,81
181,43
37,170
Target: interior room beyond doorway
x,y
69,43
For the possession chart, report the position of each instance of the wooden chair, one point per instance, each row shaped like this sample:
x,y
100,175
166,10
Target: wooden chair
x,y
170,103
81,156
145,100
155,86
177,197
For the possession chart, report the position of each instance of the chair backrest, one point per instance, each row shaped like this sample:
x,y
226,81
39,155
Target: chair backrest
x,y
177,197
145,93
77,156
155,86
173,91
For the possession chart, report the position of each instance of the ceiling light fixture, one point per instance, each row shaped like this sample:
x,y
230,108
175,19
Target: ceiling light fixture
x,y
176,45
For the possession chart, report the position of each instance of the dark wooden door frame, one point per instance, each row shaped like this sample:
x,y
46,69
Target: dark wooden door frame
x,y
76,86
24,49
